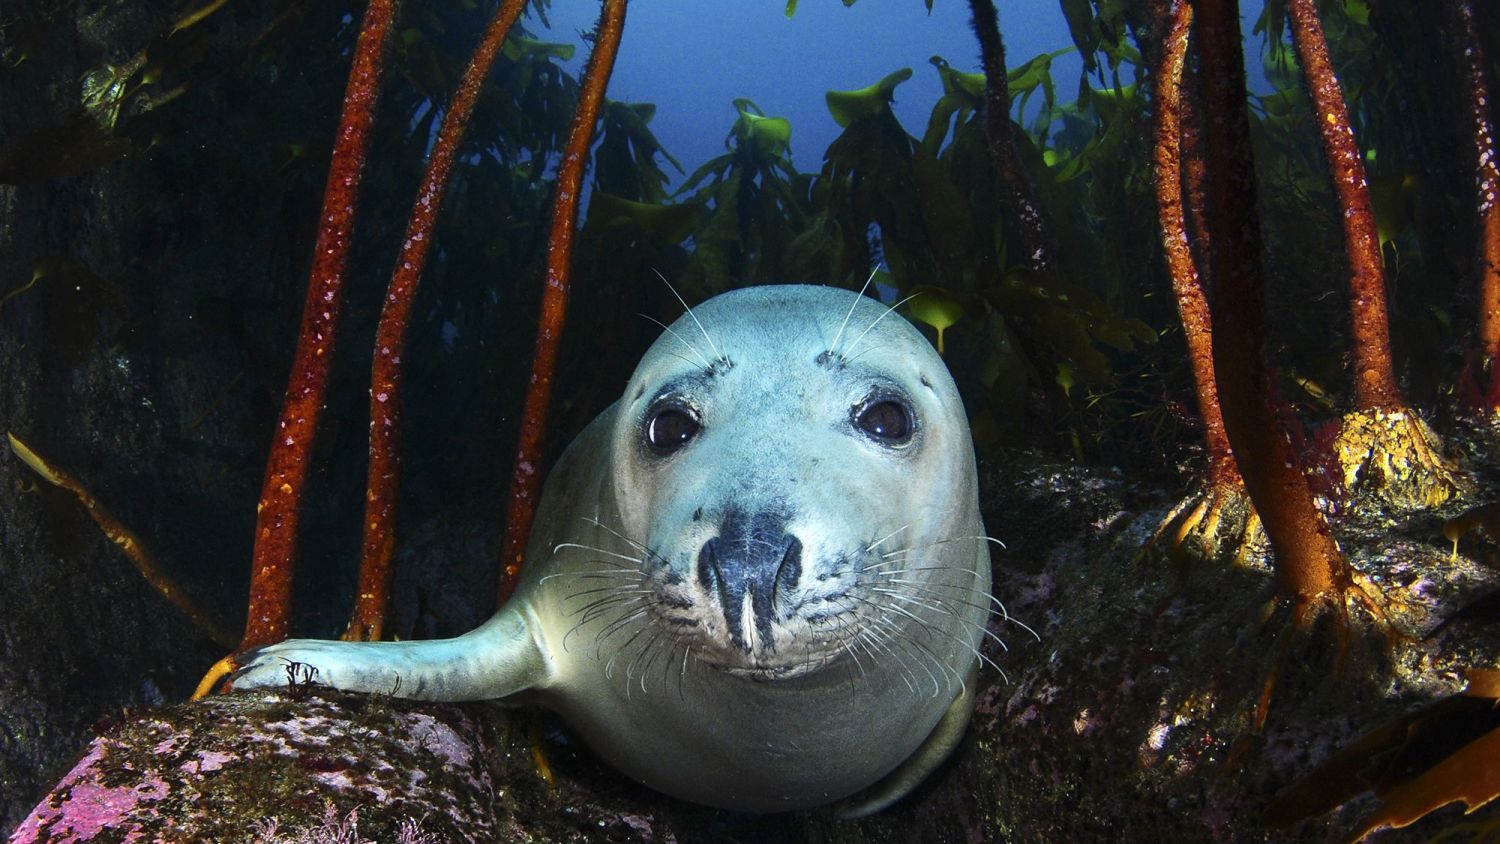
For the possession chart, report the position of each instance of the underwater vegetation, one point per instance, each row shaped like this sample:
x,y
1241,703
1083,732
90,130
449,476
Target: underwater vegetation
x,y
1284,295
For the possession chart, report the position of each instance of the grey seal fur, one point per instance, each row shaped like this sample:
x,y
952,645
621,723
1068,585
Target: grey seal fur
x,y
782,608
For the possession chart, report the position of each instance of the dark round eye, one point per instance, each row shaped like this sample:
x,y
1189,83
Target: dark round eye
x,y
670,429
887,421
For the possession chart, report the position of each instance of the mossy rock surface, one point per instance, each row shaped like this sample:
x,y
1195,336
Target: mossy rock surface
x,y
1131,720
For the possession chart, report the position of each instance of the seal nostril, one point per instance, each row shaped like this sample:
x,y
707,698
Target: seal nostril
x,y
710,576
789,573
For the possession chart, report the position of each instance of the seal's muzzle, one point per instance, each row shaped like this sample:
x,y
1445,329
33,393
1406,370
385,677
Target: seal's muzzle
x,y
752,561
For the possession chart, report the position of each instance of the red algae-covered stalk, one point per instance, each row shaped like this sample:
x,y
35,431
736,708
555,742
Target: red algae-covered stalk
x,y
1482,155
371,602
526,475
1310,568
1383,446
1222,489
126,540
274,557
1013,186
1374,379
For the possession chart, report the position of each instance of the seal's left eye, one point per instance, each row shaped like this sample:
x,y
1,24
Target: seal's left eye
x,y
886,421
670,429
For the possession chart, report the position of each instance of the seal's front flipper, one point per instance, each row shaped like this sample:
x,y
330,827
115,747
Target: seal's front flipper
x,y
909,774
499,658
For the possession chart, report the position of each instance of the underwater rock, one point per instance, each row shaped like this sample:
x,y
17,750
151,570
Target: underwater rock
x,y
1132,720
248,766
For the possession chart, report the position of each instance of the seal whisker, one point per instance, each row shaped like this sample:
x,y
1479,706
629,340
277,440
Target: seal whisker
x,y
945,609
849,670
643,548
619,624
865,351
617,555
834,346
590,575
615,597
871,546
684,359
598,608
899,637
690,346
650,652
895,634
606,605
652,647
613,590
682,674
666,664
878,569
615,627
602,608
932,629
871,640
908,549
614,570
844,643
997,608
630,666
888,312
927,589
718,355
1024,626
656,646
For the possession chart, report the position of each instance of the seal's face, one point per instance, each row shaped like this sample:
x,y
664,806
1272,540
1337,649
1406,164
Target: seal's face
x,y
781,482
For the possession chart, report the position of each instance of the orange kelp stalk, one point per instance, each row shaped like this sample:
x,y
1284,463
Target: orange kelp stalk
x,y
274,558
526,477
1476,96
1374,378
1192,304
1310,568
115,532
1194,173
368,619
1383,446
997,129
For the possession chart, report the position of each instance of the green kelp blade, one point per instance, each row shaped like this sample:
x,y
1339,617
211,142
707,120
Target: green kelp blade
x,y
1037,71
769,135
1394,198
197,15
957,81
668,222
518,47
848,106
936,307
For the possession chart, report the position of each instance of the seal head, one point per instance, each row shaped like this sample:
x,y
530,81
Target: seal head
x,y
768,471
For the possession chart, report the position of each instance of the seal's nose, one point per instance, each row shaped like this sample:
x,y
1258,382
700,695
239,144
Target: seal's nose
x,y
751,561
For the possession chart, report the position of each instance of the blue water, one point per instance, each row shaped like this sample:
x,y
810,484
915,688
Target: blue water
x,y
693,57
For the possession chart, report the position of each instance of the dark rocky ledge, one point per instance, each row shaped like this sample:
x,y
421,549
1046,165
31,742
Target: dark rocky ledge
x,y
1131,720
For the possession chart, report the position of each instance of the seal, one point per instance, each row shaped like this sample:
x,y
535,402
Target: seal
x,y
759,580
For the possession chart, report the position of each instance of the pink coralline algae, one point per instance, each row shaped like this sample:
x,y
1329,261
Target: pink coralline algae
x,y
211,770
90,806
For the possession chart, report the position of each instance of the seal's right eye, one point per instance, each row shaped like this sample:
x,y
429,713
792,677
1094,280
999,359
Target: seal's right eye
x,y
885,420
670,429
